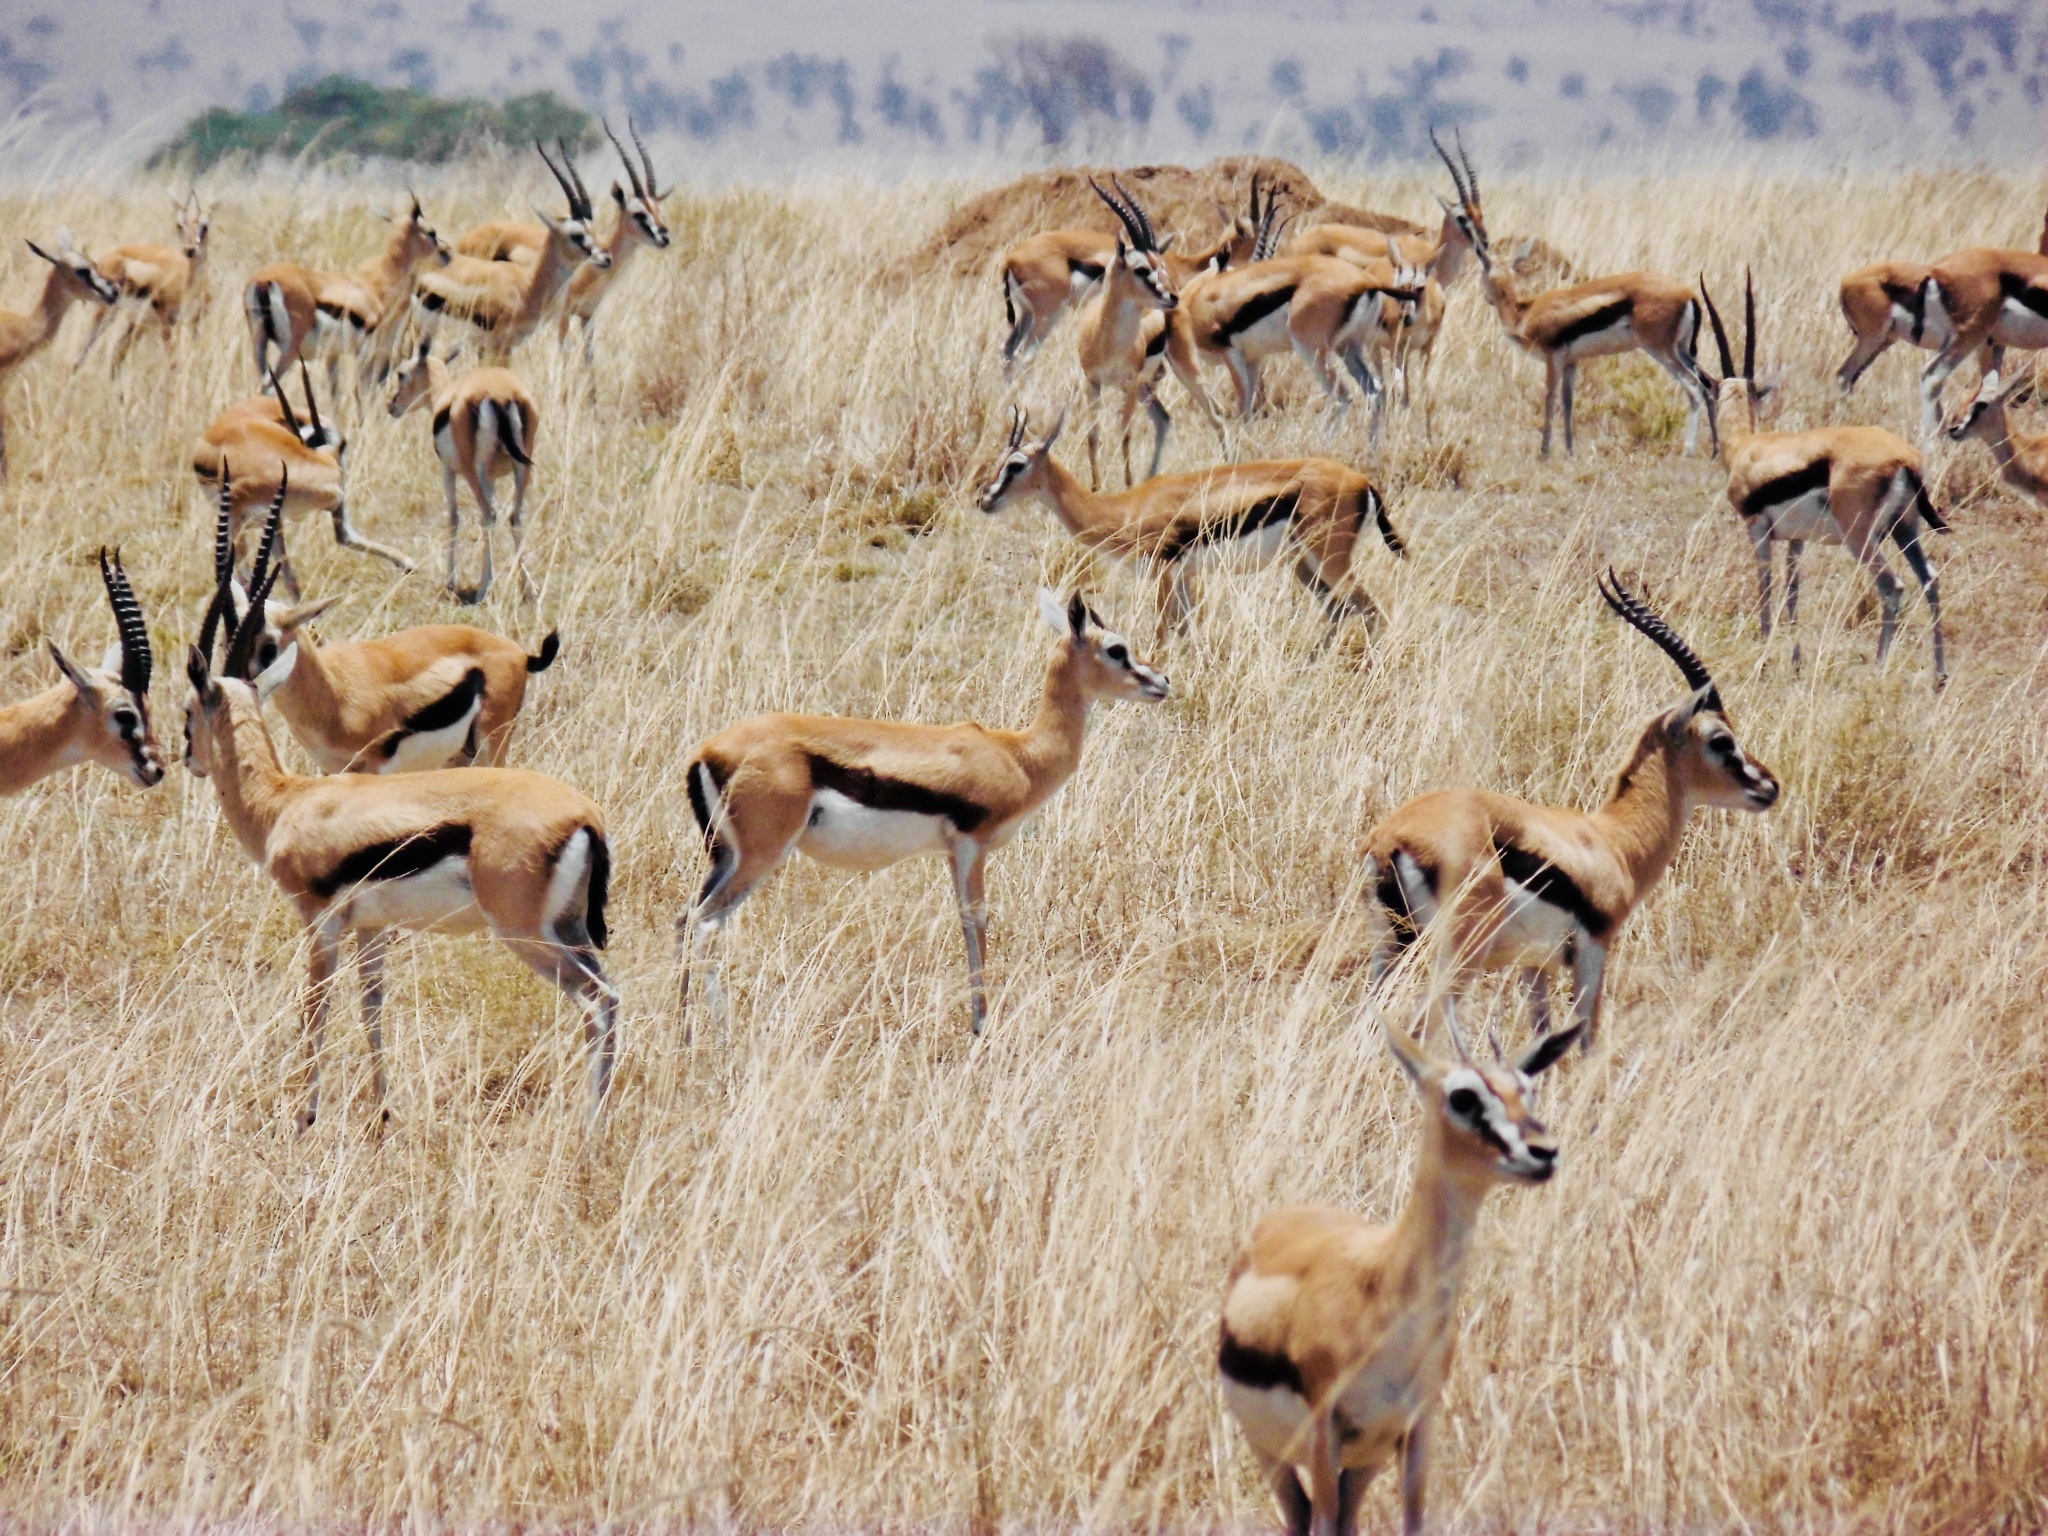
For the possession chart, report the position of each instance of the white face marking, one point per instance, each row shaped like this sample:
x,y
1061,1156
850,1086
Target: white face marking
x,y
440,897
1491,1111
848,835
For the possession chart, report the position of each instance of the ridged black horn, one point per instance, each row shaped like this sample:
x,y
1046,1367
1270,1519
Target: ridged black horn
x,y
1720,331
135,656
1646,621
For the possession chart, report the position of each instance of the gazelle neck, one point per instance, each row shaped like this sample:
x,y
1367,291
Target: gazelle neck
x,y
1734,417
252,784
388,274
1433,1233
440,384
1645,816
1507,301
1089,517
308,694
40,735
1051,748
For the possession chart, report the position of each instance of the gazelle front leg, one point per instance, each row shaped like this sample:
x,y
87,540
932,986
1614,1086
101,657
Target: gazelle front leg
x,y
967,890
1793,549
1550,381
1415,1473
326,941
521,475
1568,383
1325,1475
1760,546
370,951
1589,971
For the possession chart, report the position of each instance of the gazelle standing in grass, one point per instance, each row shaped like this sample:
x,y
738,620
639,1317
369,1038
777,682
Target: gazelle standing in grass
x,y
484,424
259,451
96,714
2022,456
1312,510
153,280
1337,1333
1885,302
1508,884
504,301
1629,312
1990,300
301,311
72,279
462,850
1853,486
865,794
439,696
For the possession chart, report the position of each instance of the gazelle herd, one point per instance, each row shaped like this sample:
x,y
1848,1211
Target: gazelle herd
x,y
1336,1335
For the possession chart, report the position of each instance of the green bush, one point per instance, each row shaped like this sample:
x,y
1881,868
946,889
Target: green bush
x,y
338,116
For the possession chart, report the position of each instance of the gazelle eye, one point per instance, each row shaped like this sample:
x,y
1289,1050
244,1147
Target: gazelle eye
x,y
1118,654
1463,1103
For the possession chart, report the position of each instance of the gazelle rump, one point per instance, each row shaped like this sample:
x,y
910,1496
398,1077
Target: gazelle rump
x,y
484,424
461,850
1537,887
865,794
1312,510
2022,456
1885,302
1337,1334
1989,300
153,281
96,714
1853,486
72,279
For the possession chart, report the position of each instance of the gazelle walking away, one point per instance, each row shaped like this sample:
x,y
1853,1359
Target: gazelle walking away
x,y
1629,312
2022,456
865,794
72,279
96,714
1337,1333
1537,887
439,696
1853,486
258,451
1313,510
1885,302
484,426
153,280
503,301
1990,300
462,850
301,312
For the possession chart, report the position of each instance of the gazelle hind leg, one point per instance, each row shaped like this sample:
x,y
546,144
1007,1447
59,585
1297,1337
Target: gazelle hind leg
x,y
1589,973
370,952
968,891
1161,424
348,536
1794,548
487,515
325,937
1907,534
572,963
1415,1475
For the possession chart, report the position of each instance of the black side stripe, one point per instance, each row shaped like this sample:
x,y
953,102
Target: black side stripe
x,y
1394,901
1255,309
1552,886
2016,289
440,421
398,858
1157,344
1603,318
1246,521
1087,269
1258,1369
1787,488
439,715
878,792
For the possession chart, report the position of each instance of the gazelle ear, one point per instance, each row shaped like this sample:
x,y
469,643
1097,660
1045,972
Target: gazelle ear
x,y
272,677
1548,1051
111,660
618,194
1414,1061
1708,697
282,617
1051,608
86,688
1166,241
1077,616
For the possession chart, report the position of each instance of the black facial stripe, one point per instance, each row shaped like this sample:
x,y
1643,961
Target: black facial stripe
x,y
1255,309
1603,318
1552,886
1787,488
396,859
1258,1369
878,792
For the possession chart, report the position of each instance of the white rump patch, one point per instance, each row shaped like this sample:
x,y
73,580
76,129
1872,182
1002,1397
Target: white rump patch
x,y
566,883
848,835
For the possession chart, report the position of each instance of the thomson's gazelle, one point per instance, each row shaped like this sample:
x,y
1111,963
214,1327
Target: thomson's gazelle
x,y
153,280
1538,886
72,279
865,794
463,850
1337,1333
2022,456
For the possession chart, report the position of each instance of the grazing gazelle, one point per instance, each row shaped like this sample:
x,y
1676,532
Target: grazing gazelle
x,y
1629,312
258,451
2022,456
1990,300
153,280
503,301
72,279
438,696
1337,1333
1313,510
1853,486
96,714
1885,302
865,794
461,850
484,425
1537,887
300,311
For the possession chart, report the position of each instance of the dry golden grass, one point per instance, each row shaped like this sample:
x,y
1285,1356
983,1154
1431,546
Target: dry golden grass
x,y
837,1265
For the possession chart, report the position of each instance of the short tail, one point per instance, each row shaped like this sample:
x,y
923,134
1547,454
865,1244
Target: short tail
x,y
1009,303
599,889
707,804
1375,507
550,648
1924,505
511,430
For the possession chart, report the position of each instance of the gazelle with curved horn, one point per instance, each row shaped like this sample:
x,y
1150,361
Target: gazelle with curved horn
x,y
1853,486
484,426
153,281
96,714
503,301
72,279
1337,1334
462,850
1313,511
1536,887
439,696
2022,456
259,451
865,794
299,310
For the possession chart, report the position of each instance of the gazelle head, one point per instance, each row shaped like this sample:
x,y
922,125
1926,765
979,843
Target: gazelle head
x,y
207,709
1695,737
1107,669
116,692
576,231
1982,416
194,221
79,278
641,209
415,378
320,436
1484,1115
1464,217
419,241
1745,385
1250,232
1140,254
1023,469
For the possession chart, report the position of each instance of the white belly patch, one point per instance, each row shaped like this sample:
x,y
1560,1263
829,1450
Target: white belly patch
x,y
427,750
1533,932
1805,517
1618,337
1274,1419
437,897
844,833
2019,326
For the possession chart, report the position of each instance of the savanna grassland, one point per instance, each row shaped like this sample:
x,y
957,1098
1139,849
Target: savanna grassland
x,y
836,1264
